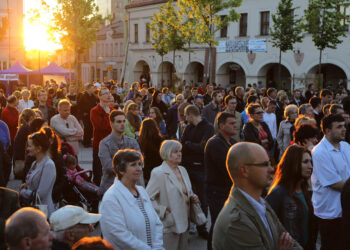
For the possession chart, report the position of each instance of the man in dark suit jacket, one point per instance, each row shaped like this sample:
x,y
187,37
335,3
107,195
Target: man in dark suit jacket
x,y
173,118
9,203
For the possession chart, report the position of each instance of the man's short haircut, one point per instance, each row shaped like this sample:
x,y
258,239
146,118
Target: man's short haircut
x,y
270,91
92,243
327,121
27,226
215,93
325,108
164,90
252,98
223,116
302,108
11,99
334,108
167,148
100,90
115,113
122,158
192,109
229,98
304,132
178,96
325,92
315,101
236,157
238,89
63,102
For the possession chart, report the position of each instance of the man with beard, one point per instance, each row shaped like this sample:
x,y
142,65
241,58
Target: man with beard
x,y
210,110
247,221
331,159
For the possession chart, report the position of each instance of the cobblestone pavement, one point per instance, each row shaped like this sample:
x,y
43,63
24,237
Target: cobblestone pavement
x,y
85,161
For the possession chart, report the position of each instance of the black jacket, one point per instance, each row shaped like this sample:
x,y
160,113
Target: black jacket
x,y
20,143
290,211
240,105
51,111
251,133
215,153
172,121
193,142
86,102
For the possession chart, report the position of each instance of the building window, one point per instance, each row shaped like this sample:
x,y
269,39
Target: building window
x,y
136,32
223,31
243,24
148,33
264,23
345,11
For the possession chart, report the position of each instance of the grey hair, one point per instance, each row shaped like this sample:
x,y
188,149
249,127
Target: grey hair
x,y
167,147
122,158
302,108
289,110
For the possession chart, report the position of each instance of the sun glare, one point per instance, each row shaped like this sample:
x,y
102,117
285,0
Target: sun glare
x,y
36,36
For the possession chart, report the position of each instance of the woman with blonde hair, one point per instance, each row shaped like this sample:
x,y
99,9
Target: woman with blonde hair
x,y
171,193
133,121
20,142
284,136
134,88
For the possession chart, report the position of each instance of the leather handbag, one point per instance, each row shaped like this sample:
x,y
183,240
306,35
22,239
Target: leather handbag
x,y
196,214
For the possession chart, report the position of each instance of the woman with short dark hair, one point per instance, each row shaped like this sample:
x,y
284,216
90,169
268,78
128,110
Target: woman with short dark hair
x,y
128,219
289,196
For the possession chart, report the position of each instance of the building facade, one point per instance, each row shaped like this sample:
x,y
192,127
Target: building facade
x,y
244,54
105,59
11,42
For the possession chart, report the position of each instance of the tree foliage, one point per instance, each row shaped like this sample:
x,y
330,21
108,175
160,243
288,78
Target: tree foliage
x,y
287,27
76,22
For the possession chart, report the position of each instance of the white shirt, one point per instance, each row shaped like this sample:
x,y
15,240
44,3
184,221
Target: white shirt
x,y
22,104
330,166
270,120
123,223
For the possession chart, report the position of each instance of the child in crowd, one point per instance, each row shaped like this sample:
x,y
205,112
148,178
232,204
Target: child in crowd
x,y
74,176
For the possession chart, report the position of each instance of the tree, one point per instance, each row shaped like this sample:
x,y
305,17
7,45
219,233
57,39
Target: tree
x,y
76,22
169,33
3,28
206,20
286,30
326,24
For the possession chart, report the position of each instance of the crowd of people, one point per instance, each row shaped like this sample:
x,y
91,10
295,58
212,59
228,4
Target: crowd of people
x,y
269,168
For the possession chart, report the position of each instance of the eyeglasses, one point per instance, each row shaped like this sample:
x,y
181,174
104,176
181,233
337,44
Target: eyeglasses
x,y
260,164
259,113
106,93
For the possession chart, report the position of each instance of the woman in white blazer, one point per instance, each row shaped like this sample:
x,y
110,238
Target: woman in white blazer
x,y
128,219
171,193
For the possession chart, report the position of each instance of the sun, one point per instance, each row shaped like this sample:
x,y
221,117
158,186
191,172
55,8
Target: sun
x,y
36,35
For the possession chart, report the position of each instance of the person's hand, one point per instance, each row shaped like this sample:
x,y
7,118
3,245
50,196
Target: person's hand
x,y
23,186
194,199
285,241
167,211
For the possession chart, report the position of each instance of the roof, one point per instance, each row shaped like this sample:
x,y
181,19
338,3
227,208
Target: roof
x,y
140,3
52,69
17,69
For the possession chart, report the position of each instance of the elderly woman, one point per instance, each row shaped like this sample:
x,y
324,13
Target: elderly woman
x,y
256,130
42,175
128,219
284,136
171,193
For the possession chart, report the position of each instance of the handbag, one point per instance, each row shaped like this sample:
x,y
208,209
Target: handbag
x,y
196,214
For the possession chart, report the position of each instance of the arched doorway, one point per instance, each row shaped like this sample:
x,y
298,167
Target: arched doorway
x,y
194,73
231,74
331,74
167,76
142,72
268,74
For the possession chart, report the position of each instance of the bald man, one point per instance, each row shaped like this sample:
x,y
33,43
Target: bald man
x,y
246,221
28,229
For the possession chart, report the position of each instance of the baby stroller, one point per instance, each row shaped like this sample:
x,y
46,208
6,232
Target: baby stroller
x,y
72,193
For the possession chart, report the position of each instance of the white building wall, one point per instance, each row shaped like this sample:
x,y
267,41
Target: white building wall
x,y
253,72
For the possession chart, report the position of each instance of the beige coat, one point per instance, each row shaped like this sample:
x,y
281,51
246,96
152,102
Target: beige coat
x,y
165,191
